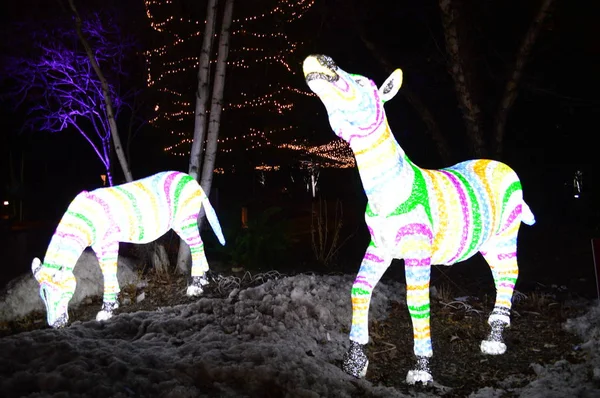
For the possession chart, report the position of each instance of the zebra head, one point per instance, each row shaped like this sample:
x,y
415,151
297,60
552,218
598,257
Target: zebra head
x,y
57,287
354,103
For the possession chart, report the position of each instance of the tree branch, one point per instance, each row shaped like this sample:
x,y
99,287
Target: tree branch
x,y
510,90
469,108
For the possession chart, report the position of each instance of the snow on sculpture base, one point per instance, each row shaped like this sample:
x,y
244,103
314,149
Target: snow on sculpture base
x,y
21,297
418,376
493,347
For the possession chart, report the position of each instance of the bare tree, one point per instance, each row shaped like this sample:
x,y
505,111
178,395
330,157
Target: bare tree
x,y
459,68
202,95
110,114
62,89
512,84
217,100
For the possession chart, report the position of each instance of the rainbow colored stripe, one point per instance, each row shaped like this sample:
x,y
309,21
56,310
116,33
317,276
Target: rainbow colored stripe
x,y
138,212
422,216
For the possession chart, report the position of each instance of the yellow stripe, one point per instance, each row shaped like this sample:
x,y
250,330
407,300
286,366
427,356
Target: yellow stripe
x,y
424,286
384,137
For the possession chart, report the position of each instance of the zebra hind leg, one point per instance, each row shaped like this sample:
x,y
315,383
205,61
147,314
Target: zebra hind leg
x,y
502,259
190,233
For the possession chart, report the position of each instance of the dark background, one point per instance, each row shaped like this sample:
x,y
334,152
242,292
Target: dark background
x,y
551,131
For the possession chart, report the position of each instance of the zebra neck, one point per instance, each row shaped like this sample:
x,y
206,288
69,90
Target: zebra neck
x,y
70,239
382,166
63,253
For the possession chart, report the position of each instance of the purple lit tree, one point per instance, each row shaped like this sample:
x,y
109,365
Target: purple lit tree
x,y
61,88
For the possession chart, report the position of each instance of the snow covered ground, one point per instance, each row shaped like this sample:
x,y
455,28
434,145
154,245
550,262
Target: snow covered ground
x,y
284,338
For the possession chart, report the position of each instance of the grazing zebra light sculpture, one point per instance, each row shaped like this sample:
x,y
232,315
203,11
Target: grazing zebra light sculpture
x,y
422,216
137,212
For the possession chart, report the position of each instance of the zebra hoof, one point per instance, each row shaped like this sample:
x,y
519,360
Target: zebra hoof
x,y
355,361
418,376
492,347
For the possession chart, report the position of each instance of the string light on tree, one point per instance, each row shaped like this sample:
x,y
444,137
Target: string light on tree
x,y
333,154
261,43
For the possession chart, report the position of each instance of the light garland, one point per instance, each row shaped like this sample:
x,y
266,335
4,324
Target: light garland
x,y
172,66
137,212
338,153
422,216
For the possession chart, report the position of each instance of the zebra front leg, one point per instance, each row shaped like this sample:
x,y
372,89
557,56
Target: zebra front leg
x,y
373,266
502,259
418,274
108,259
190,233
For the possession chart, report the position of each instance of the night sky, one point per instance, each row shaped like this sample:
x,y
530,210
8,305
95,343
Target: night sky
x,y
551,131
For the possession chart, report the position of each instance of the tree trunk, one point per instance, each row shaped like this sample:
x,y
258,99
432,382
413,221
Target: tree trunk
x,y
217,102
469,108
422,109
510,90
108,102
202,95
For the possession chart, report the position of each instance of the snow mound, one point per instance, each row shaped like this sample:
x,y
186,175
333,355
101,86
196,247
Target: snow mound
x,y
563,379
285,337
21,295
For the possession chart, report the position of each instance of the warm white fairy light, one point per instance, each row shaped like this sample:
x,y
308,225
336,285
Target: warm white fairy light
x,y
335,153
173,63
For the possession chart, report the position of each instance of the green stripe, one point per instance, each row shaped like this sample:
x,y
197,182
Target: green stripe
x,y
136,209
359,291
418,196
190,225
422,308
53,266
420,316
515,186
475,212
86,220
180,185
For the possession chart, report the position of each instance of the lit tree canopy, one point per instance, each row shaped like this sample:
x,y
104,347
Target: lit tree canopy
x,y
265,121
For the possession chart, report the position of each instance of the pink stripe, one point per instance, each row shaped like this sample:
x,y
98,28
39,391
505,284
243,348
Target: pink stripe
x,y
373,257
361,280
78,238
167,187
507,284
513,215
413,262
414,229
506,256
466,215
191,217
372,127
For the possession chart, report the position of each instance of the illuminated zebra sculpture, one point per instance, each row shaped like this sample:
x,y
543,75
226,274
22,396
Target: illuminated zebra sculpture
x,y
422,216
138,212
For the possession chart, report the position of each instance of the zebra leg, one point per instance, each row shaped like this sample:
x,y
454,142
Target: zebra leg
x,y
501,255
190,233
418,274
108,255
374,264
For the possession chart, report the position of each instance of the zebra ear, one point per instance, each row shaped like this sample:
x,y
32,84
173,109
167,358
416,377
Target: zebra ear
x,y
36,265
390,87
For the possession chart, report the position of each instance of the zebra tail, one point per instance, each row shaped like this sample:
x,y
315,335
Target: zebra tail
x,y
526,215
213,220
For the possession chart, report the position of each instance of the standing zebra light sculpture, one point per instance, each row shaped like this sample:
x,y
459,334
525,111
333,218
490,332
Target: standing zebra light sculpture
x,y
137,212
422,216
